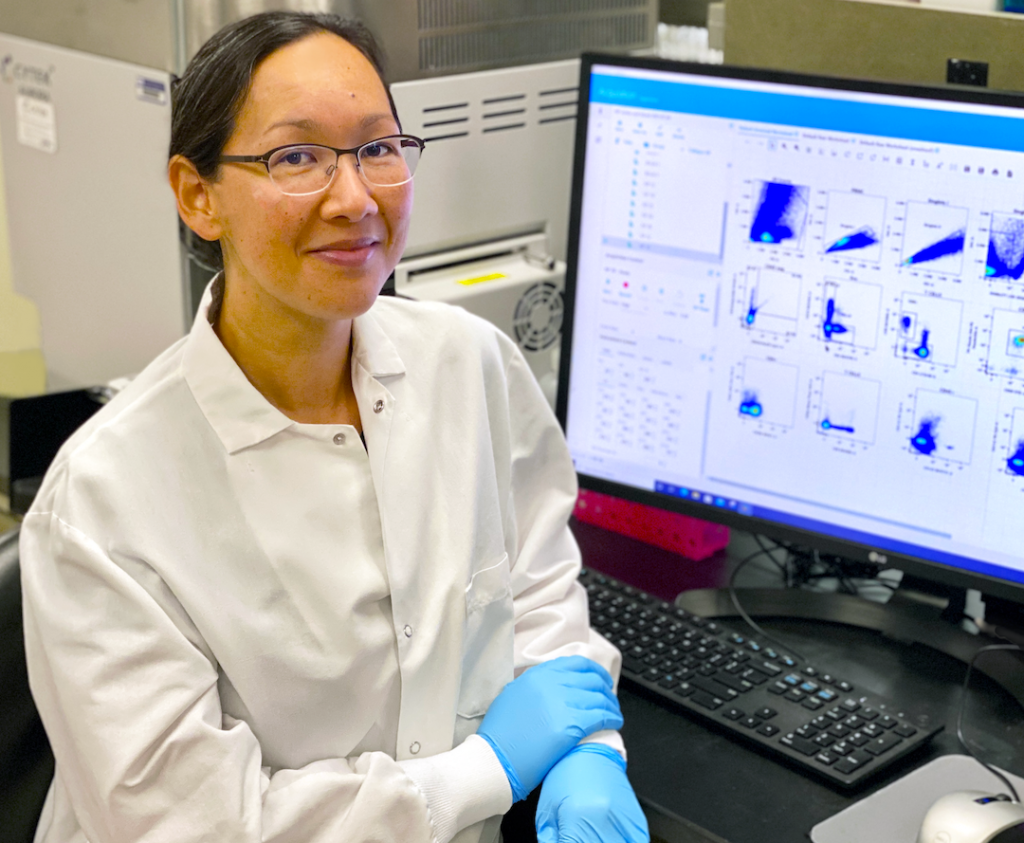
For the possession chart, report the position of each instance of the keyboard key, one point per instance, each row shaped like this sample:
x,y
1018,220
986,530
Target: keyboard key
x,y
632,665
707,700
824,739
754,676
836,714
801,745
715,689
858,739
887,721
827,678
872,730
792,679
839,730
844,686
736,638
667,681
737,684
842,748
769,668
768,730
788,661
806,731
810,671
812,703
848,765
821,721
826,758
778,688
905,730
766,713
683,689
826,695
854,722
750,722
794,695
809,687
883,744
734,714
868,713
851,705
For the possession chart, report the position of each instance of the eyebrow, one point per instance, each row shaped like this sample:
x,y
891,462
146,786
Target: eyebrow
x,y
312,125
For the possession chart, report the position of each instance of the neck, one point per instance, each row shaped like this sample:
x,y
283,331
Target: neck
x,y
300,364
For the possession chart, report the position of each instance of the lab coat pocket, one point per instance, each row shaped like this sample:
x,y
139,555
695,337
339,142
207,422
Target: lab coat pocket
x,y
487,648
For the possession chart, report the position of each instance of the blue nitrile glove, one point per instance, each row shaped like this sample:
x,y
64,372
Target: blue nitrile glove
x,y
539,717
586,798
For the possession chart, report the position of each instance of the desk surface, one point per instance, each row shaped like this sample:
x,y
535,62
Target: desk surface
x,y
704,786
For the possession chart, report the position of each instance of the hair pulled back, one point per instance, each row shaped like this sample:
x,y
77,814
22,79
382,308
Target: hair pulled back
x,y
206,100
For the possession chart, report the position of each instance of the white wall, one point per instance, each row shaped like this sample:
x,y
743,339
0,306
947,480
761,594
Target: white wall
x,y
22,370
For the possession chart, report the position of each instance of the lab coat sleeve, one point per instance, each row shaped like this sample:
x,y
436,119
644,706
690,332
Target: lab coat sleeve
x,y
551,615
127,690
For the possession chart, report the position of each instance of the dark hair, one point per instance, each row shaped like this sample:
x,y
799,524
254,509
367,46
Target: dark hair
x,y
206,100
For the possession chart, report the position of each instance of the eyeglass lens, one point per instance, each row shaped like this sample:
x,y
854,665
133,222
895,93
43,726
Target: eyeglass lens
x,y
309,169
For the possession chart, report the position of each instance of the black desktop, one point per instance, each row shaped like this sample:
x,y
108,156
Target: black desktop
x,y
795,305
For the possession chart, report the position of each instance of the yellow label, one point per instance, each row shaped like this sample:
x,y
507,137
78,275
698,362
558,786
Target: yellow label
x,y
494,276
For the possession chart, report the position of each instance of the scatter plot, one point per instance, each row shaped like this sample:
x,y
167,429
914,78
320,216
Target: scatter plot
x,y
1006,346
853,226
849,407
780,213
770,300
928,329
933,237
1015,455
850,312
1005,247
769,391
943,426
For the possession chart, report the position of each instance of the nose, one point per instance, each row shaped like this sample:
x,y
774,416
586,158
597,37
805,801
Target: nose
x,y
348,195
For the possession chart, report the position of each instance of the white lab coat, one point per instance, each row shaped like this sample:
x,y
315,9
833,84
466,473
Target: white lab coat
x,y
182,579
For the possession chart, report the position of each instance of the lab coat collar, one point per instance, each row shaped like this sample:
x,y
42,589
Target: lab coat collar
x,y
235,409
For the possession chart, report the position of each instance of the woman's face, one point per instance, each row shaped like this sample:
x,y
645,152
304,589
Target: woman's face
x,y
324,255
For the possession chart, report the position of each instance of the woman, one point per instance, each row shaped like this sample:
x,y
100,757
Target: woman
x,y
242,623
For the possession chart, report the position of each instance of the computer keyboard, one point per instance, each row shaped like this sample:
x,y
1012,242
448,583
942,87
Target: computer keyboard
x,y
813,718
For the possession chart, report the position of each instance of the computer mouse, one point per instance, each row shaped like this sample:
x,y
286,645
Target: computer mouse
x,y
973,816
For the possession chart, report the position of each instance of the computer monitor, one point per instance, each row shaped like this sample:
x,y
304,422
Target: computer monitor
x,y
795,305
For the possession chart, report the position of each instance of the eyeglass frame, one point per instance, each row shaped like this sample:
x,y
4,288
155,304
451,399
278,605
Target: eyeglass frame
x,y
264,159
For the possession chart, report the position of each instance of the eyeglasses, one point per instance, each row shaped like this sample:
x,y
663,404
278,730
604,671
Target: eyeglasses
x,y
300,169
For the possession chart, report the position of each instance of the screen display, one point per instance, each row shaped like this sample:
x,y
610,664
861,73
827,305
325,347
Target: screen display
x,y
804,304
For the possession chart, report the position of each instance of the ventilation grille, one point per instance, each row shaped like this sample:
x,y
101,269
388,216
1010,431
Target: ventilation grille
x,y
531,40
497,113
440,14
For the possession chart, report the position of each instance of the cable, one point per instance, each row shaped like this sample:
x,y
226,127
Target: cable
x,y
767,551
736,603
963,705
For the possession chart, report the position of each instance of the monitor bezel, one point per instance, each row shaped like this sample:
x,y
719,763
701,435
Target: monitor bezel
x,y
860,552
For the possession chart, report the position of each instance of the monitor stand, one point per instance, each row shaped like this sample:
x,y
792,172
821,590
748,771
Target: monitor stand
x,y
903,618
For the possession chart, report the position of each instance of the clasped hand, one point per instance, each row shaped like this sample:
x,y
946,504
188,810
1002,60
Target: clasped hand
x,y
540,716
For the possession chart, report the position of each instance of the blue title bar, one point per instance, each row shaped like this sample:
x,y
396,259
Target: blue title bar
x,y
909,123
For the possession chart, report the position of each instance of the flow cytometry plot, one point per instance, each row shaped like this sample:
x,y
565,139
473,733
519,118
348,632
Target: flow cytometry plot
x,y
849,407
1006,345
771,300
933,237
850,312
929,329
943,426
853,226
1015,453
780,213
769,391
1005,247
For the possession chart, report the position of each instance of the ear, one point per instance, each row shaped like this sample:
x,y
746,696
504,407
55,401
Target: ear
x,y
193,195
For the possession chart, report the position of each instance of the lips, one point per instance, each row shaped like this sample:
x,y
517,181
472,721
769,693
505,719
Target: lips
x,y
349,252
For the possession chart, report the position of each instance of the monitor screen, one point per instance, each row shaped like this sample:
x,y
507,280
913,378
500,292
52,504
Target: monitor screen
x,y
796,305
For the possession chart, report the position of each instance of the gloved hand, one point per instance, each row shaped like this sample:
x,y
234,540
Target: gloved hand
x,y
538,717
586,798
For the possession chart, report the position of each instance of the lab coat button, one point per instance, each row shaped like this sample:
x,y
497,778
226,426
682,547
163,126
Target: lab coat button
x,y
339,438
415,748
378,405
408,631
